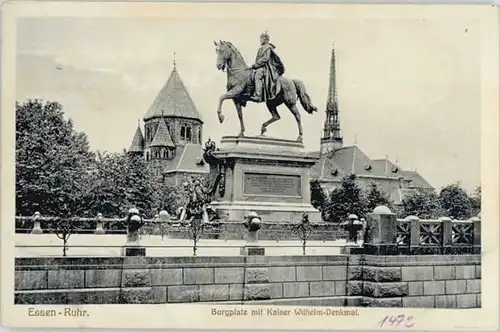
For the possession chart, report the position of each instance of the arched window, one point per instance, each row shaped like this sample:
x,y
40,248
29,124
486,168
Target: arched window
x,y
165,154
147,156
183,132
199,135
188,134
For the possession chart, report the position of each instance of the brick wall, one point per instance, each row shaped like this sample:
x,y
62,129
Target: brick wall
x,y
410,281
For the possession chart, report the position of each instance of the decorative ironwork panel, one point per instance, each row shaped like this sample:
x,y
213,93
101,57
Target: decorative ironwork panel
x,y
462,233
403,232
431,234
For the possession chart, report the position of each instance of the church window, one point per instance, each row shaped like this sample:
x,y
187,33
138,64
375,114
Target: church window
x,y
199,135
147,156
183,132
188,134
165,154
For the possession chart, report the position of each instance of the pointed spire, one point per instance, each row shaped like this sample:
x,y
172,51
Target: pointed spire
x,y
332,88
162,136
175,64
138,140
332,135
174,100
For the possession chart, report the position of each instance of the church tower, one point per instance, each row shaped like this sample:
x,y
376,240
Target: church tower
x,y
332,135
171,144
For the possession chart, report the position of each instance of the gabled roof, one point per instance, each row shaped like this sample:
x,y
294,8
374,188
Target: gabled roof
x,y
137,142
162,136
416,180
173,100
188,160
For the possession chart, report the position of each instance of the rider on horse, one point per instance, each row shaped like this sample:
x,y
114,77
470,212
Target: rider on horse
x,y
268,68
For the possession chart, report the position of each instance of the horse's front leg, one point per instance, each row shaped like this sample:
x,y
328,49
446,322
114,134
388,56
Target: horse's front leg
x,y
225,96
239,110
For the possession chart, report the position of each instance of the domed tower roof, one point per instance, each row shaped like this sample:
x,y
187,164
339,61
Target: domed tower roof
x,y
162,137
137,142
173,100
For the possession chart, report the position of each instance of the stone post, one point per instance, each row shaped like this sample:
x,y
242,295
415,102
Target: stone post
x,y
447,231
253,224
476,241
163,218
382,227
134,223
99,229
414,230
37,229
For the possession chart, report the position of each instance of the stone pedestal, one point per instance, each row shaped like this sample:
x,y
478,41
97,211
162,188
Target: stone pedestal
x,y
251,248
37,229
132,247
382,226
99,229
266,175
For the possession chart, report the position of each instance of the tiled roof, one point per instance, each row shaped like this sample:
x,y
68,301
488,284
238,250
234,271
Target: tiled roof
x,y
326,170
353,161
416,180
173,100
162,137
137,142
387,168
189,160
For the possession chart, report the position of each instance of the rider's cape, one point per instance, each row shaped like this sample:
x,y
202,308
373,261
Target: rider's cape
x,y
273,68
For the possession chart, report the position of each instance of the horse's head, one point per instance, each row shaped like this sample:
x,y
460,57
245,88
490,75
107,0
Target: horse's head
x,y
223,54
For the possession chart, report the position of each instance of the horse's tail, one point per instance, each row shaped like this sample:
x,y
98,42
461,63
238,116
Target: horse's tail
x,y
304,98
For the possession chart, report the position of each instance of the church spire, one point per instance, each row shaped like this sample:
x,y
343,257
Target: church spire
x,y
137,145
332,135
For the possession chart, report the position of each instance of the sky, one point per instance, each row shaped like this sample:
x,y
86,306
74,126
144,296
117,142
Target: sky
x,y
407,88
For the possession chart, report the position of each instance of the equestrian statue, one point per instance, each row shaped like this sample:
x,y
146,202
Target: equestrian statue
x,y
261,82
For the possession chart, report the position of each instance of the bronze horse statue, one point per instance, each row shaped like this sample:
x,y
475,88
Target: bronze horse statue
x,y
240,89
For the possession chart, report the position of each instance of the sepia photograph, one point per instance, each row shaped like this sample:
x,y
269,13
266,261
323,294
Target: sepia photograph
x,y
257,165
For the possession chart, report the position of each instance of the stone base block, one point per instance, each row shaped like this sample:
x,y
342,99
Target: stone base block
x,y
382,302
141,295
257,292
134,251
385,289
252,250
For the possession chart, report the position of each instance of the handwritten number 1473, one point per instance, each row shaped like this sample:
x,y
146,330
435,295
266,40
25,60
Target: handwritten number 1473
x,y
397,321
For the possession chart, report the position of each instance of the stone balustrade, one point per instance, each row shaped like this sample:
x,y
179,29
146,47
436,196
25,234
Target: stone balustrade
x,y
165,225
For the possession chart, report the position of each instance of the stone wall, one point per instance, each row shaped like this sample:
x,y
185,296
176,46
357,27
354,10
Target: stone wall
x,y
451,281
427,281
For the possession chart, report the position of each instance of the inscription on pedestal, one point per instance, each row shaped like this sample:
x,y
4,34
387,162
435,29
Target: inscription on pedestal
x,y
272,184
